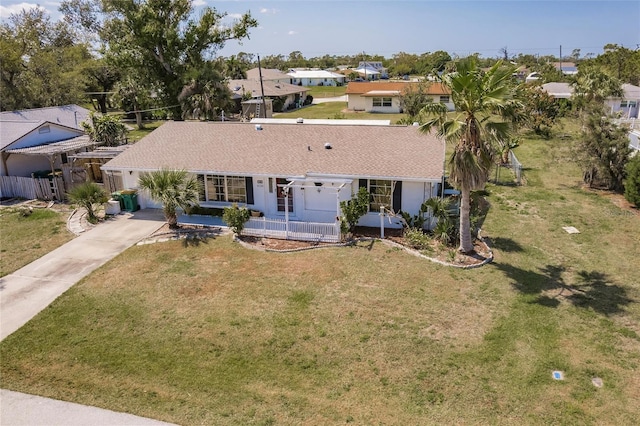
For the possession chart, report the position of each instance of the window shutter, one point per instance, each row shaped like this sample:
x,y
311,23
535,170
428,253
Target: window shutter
x,y
397,197
249,186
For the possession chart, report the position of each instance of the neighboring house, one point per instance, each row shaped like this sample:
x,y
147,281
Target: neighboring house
x,y
626,107
308,77
295,174
40,141
385,97
285,96
268,74
371,70
566,68
558,90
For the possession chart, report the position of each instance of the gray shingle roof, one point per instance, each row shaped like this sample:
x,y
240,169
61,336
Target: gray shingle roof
x,y
66,115
287,150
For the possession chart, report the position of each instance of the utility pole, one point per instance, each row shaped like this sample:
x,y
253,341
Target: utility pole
x,y
264,102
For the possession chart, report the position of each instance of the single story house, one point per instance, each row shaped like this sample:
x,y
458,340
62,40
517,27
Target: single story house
x,y
285,96
371,70
385,97
626,107
294,174
268,74
38,141
315,77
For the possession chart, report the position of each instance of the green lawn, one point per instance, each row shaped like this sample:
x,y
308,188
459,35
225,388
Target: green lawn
x,y
23,239
337,110
326,91
214,333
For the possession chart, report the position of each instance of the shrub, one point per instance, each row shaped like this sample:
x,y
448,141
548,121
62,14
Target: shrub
x,y
632,182
353,210
417,239
235,217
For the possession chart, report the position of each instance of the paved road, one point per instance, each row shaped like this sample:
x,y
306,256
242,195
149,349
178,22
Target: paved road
x,y
29,290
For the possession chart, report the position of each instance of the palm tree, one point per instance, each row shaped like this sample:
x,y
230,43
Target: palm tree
x,y
90,196
174,189
483,102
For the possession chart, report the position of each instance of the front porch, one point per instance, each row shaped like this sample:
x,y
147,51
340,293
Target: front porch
x,y
273,228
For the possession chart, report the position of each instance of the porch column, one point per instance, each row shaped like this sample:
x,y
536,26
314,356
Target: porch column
x,y
285,190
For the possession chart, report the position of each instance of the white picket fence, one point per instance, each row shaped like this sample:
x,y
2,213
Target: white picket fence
x,y
516,165
32,188
302,231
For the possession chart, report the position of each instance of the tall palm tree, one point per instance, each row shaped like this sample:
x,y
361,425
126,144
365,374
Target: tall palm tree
x,y
483,102
174,189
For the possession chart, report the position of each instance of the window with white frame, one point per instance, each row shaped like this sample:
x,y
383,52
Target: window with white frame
x,y
226,189
381,192
382,102
444,99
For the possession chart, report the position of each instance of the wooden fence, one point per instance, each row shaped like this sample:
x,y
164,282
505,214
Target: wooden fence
x,y
32,188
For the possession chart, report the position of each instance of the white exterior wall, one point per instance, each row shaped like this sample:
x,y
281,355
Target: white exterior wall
x,y
613,105
356,103
311,203
24,165
36,138
395,107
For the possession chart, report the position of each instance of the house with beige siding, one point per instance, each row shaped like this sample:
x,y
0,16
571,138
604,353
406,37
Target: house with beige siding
x,y
294,174
385,97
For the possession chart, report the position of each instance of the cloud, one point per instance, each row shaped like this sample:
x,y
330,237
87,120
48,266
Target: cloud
x,y
13,9
234,15
199,3
266,11
292,32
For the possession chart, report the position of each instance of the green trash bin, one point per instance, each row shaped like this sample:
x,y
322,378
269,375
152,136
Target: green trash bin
x,y
129,200
117,196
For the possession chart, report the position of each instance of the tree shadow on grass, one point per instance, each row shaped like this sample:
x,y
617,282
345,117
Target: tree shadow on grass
x,y
591,290
506,245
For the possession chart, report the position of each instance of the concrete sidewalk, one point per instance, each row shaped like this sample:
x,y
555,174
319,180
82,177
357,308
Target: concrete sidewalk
x,y
32,288
21,409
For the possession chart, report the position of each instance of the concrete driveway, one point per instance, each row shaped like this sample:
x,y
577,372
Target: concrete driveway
x,y
29,290
32,288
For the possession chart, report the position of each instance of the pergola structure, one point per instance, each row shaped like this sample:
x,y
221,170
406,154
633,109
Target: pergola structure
x,y
318,182
57,148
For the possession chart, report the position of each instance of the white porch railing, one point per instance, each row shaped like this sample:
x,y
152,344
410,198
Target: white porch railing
x,y
303,231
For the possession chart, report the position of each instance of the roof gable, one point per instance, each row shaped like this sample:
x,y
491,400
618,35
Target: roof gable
x,y
15,132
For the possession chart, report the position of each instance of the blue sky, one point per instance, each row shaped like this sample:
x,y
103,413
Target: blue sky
x,y
348,27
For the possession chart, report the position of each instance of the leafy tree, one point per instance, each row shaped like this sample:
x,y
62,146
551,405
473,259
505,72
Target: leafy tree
x,y
603,151
160,38
480,99
414,98
133,95
619,62
353,210
174,189
540,109
41,63
632,182
90,196
101,80
236,217
106,129
592,85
